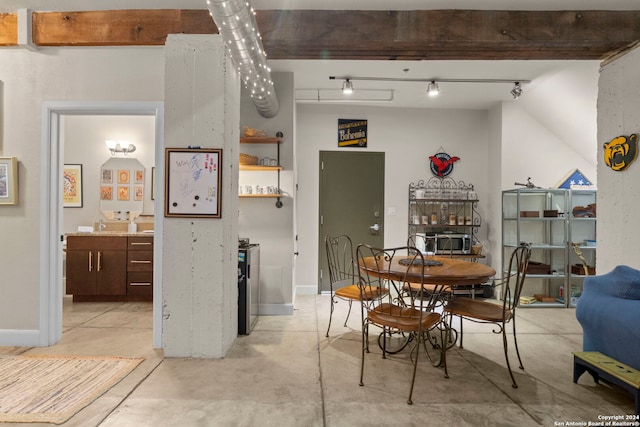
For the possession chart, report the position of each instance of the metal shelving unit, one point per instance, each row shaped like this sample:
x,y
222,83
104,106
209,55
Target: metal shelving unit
x,y
543,218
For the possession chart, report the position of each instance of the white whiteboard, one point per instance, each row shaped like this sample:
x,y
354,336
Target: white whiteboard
x,y
193,178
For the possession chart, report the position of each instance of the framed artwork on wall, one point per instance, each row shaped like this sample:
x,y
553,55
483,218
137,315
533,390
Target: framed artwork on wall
x,y
153,183
72,186
193,182
8,181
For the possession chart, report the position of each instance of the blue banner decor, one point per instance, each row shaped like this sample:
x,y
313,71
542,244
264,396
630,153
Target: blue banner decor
x,y
352,133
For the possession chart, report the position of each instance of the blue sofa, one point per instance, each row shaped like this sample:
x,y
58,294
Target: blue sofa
x,y
609,313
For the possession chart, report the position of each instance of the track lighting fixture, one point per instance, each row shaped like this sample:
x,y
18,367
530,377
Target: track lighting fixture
x,y
516,91
432,89
347,87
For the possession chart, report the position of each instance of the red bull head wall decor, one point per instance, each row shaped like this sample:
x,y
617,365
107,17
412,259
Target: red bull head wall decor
x,y
621,151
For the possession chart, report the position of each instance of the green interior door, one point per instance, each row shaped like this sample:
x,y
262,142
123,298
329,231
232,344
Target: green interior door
x,y
351,201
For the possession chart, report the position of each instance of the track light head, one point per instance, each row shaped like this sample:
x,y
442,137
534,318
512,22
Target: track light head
x,y
347,87
516,91
432,89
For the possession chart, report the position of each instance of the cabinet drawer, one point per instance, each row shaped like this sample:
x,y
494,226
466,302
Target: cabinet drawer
x,y
97,243
140,243
140,285
140,261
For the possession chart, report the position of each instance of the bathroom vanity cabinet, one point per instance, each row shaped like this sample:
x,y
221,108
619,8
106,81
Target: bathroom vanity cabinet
x,y
108,267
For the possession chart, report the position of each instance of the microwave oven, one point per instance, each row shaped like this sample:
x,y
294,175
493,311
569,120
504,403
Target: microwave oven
x,y
454,243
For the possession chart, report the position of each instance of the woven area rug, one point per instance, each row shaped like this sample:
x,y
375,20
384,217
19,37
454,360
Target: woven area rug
x,y
51,389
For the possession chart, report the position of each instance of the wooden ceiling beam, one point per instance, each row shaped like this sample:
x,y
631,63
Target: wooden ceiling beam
x,y
446,34
148,27
358,34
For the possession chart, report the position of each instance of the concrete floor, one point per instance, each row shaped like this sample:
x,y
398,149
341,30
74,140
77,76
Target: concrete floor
x,y
286,373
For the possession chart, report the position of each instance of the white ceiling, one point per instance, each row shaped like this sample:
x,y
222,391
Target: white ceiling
x,y
562,94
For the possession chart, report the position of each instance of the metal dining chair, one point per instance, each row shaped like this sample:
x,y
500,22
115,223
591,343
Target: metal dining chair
x,y
480,311
343,276
411,314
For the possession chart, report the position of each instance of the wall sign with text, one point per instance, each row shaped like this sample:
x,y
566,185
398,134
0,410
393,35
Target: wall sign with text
x,y
352,133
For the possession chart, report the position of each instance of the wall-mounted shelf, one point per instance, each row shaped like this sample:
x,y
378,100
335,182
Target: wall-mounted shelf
x,y
262,168
260,140
260,196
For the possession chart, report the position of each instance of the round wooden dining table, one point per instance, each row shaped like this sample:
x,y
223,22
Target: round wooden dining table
x,y
452,271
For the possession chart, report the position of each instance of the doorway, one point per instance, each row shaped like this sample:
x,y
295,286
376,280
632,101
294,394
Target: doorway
x,y
351,201
51,286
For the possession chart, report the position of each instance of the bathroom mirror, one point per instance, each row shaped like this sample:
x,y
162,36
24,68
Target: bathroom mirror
x,y
121,188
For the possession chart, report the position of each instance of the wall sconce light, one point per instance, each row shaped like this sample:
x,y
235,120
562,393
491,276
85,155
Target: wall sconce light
x,y
432,89
120,147
347,87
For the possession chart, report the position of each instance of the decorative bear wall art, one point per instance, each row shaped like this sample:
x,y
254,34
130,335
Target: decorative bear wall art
x,y
621,151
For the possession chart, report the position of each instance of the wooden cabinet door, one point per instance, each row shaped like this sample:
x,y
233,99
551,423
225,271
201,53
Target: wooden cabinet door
x,y
111,267
81,272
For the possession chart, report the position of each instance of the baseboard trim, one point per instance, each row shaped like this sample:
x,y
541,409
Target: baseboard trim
x,y
306,290
20,338
276,309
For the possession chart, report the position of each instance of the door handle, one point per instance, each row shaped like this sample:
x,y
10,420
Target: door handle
x,y
375,227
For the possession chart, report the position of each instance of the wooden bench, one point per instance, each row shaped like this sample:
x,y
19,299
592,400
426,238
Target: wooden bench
x,y
602,366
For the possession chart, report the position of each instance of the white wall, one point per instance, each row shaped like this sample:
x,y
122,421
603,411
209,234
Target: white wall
x,y
84,138
618,192
259,219
407,137
529,149
26,80
497,148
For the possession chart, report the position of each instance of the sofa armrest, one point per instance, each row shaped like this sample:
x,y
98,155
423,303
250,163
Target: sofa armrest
x,y
621,282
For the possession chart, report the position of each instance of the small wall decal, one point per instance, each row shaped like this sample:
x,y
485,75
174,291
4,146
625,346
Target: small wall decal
x,y
441,164
621,151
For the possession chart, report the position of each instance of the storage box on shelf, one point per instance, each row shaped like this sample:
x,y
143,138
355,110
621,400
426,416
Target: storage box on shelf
x,y
544,219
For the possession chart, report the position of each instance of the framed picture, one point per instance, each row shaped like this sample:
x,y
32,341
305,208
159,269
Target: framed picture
x,y
138,193
153,183
72,186
193,182
106,192
107,176
8,181
123,193
139,176
123,176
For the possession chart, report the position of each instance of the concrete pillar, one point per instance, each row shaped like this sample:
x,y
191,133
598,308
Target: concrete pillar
x,y
200,255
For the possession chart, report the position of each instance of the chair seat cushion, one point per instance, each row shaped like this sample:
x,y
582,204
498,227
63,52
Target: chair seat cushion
x,y
477,309
353,292
402,318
